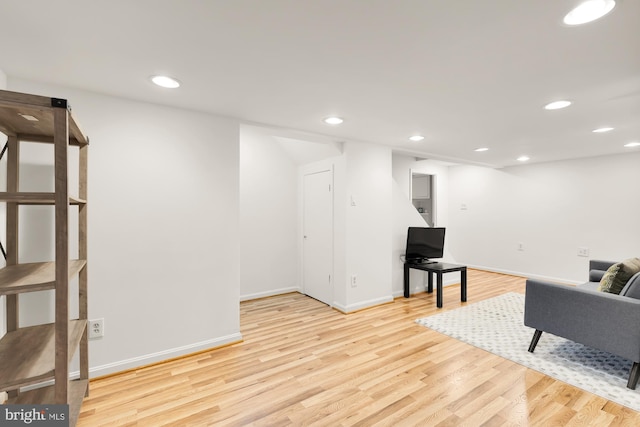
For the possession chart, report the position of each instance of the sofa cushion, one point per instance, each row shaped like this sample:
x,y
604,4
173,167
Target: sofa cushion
x,y
617,276
592,286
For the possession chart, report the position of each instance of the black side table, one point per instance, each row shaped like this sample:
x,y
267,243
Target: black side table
x,y
439,268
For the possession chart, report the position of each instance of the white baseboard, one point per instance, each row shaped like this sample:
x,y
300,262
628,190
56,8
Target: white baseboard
x,y
362,304
135,362
269,293
527,275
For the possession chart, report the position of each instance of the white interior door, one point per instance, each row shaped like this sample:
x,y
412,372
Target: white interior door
x,y
318,236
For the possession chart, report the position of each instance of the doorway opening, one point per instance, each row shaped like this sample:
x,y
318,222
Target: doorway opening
x,y
423,196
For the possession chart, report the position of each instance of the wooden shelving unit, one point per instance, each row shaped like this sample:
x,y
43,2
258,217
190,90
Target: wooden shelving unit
x,y
38,356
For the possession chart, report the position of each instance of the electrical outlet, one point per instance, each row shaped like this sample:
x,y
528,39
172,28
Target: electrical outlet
x,y
521,246
582,251
354,280
96,328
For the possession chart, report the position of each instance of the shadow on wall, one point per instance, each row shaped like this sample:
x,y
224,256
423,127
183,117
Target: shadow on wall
x,y
406,215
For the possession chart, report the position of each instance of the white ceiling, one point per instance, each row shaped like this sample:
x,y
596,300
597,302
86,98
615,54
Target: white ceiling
x,y
465,73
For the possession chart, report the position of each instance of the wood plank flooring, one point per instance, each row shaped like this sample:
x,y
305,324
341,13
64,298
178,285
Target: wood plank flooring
x,y
303,363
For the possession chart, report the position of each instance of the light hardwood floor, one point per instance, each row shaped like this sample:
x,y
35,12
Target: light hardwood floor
x,y
303,363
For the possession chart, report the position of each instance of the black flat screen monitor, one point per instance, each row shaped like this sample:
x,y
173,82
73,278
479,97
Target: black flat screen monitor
x,y
424,243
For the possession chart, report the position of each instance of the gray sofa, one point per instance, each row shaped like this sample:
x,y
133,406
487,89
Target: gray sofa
x,y
601,320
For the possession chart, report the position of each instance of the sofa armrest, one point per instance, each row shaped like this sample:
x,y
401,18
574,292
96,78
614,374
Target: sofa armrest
x,y
632,288
597,268
600,320
598,264
596,275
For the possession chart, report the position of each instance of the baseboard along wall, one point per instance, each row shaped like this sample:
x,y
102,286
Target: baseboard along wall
x,y
161,356
269,293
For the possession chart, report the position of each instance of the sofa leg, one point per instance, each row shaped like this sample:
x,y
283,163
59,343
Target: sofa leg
x,y
534,340
633,376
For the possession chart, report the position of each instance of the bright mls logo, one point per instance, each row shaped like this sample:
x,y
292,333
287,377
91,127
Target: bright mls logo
x,y
35,415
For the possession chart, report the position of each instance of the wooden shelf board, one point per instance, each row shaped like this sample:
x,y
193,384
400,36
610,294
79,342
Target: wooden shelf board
x,y
14,106
45,396
27,355
31,277
24,198
47,139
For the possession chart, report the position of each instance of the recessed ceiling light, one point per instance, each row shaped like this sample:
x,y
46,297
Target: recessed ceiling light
x,y
416,138
165,81
588,11
601,130
523,158
481,149
556,105
333,120
632,144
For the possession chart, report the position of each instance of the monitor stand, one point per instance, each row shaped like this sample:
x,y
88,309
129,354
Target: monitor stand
x,y
422,261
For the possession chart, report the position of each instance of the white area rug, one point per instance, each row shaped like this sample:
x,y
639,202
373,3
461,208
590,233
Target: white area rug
x,y
497,326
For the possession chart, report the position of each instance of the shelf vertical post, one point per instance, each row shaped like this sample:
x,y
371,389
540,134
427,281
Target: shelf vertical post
x,y
61,143
83,254
13,174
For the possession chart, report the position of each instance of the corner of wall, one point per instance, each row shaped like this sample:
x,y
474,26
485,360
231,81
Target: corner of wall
x,y
269,293
367,207
361,305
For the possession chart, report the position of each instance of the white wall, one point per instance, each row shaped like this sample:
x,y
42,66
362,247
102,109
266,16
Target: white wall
x,y
552,209
268,216
405,215
163,227
368,205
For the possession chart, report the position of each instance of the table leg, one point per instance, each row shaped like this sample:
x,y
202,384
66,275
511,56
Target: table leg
x,y
430,282
463,285
407,293
439,290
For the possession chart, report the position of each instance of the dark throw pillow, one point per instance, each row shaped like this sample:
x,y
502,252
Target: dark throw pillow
x,y
618,275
